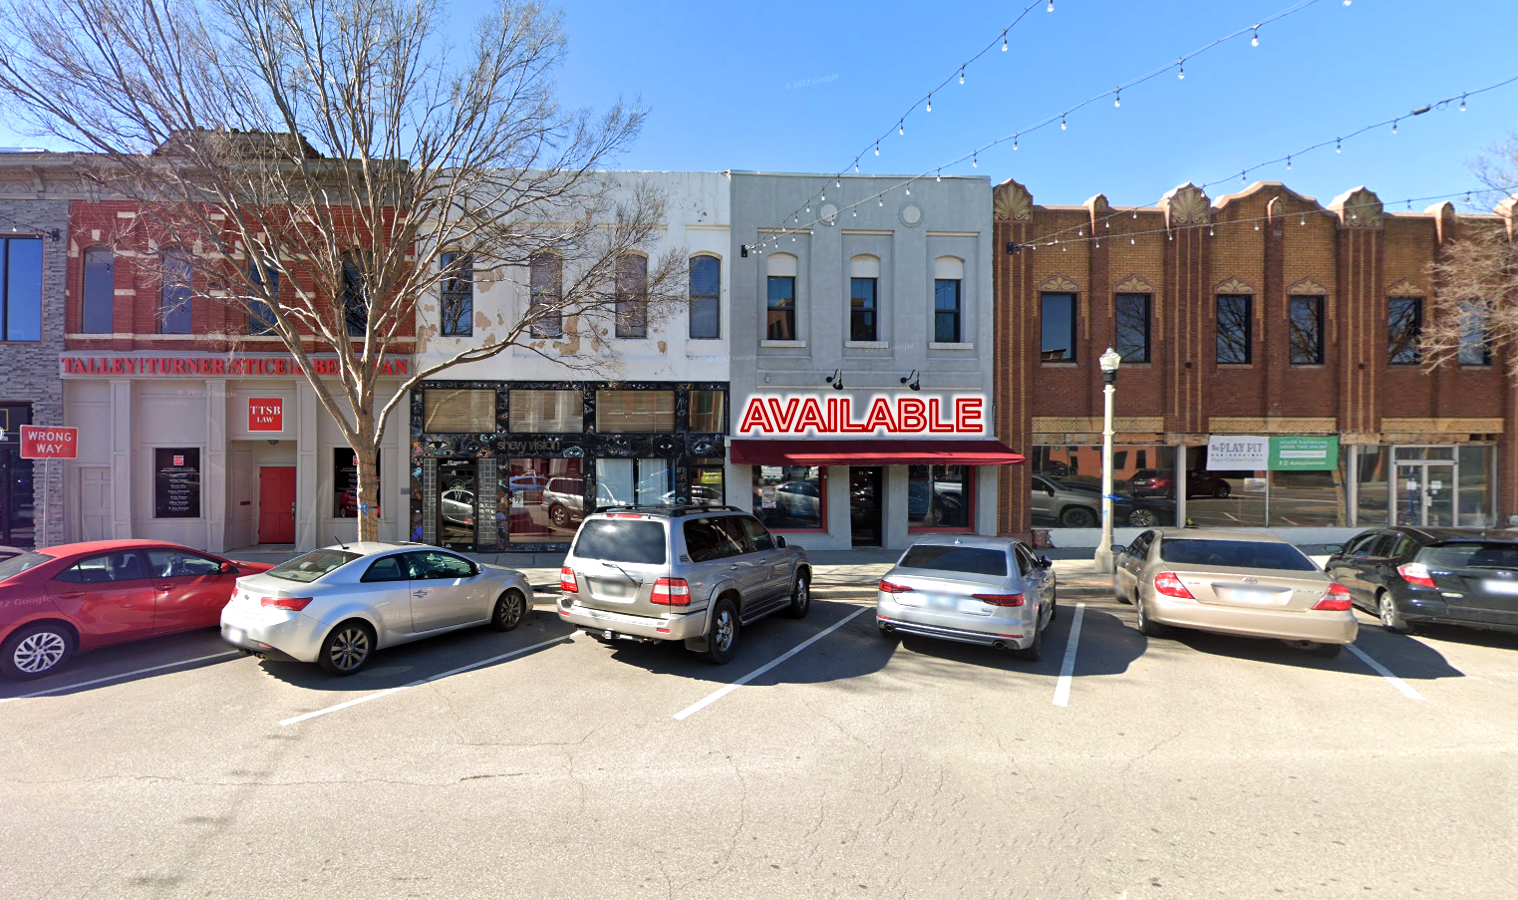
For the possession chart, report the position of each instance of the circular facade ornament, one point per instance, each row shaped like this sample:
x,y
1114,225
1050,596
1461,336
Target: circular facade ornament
x,y
828,214
910,215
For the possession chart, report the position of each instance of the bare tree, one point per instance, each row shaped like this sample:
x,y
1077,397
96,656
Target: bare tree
x,y
326,166
1474,314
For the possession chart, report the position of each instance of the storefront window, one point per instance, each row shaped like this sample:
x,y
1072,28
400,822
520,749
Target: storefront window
x,y
345,483
641,482
1373,471
635,411
458,411
790,497
1224,498
540,500
938,497
456,503
176,483
1066,488
546,412
1308,499
708,411
707,483
1475,501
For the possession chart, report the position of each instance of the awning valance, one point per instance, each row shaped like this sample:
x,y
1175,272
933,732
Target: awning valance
x,y
887,452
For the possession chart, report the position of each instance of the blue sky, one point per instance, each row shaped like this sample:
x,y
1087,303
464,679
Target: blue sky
x,y
803,86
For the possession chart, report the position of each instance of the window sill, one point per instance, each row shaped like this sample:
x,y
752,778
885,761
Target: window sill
x,y
867,345
1060,363
936,345
800,345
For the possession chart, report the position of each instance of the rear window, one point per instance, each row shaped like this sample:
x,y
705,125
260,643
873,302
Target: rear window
x,y
1466,556
18,564
948,558
1237,554
622,540
308,568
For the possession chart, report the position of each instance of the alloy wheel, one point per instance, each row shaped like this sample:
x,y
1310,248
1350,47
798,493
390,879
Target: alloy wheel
x,y
39,652
722,635
803,594
350,649
511,609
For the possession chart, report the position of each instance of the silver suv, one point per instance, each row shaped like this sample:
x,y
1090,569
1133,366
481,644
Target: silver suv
x,y
680,573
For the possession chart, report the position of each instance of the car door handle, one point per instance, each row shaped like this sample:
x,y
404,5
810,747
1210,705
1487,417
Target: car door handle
x,y
71,595
163,588
421,593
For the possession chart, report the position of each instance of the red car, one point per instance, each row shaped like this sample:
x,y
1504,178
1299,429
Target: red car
x,y
82,596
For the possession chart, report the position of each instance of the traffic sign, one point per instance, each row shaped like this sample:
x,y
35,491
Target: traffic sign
x,y
49,442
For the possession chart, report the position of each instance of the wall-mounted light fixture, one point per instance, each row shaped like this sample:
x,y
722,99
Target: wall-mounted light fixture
x,y
836,379
915,381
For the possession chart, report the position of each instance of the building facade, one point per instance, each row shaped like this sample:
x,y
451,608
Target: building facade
x,y
863,358
1271,376
508,454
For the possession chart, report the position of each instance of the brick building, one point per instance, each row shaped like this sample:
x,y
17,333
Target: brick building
x,y
1258,320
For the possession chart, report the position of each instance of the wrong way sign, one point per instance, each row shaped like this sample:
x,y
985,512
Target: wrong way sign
x,y
49,442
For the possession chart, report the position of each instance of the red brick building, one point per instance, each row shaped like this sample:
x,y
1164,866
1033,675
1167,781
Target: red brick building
x,y
1260,314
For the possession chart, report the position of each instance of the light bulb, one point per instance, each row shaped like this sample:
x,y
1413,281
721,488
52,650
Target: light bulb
x,y
824,197
909,190
1462,103
1211,232
1135,214
974,160
1080,232
795,219
901,127
856,213
1062,125
1255,41
1288,162
838,183
856,167
882,200
877,153
1051,6
961,75
930,103
1004,42
1348,2
1394,126
1133,240
1182,73
1338,145
1303,222
1014,142
938,177
1117,98
809,209
1257,226
1242,179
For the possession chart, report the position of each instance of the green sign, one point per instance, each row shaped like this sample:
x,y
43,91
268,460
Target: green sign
x,y
1300,453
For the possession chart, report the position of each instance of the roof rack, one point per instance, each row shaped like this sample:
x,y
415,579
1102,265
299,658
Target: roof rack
x,y
677,509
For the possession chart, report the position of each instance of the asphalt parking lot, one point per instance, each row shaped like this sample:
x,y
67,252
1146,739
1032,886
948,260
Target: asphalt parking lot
x,y
825,761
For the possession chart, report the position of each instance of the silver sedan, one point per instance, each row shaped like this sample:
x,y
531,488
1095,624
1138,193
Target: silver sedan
x,y
337,605
988,591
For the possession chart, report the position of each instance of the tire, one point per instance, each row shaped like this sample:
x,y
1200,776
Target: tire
x,y
1053,605
510,608
1391,618
1144,518
1222,491
347,649
1077,517
722,634
35,650
559,516
1117,592
1146,626
1034,651
1322,651
801,597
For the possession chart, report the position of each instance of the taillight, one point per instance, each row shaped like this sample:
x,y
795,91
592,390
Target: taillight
x,y
1000,599
567,582
891,587
1169,584
623,516
671,592
1336,600
1416,573
292,603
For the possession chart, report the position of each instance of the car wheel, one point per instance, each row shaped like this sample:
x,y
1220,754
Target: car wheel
x,y
37,649
1222,491
1146,626
559,515
1053,604
1117,591
1034,651
722,636
510,607
1077,517
1144,518
347,648
1391,617
801,598
1318,649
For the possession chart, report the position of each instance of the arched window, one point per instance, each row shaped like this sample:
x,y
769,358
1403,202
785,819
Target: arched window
x,y
632,296
780,305
174,297
864,308
948,312
546,305
99,291
705,297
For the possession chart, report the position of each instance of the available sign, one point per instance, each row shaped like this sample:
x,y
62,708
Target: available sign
x,y
49,442
882,414
266,414
1286,453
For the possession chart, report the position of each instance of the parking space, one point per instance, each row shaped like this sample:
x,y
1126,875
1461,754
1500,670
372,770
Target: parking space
x,y
544,758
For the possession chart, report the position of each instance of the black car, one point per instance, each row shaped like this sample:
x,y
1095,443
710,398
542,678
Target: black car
x,y
1410,575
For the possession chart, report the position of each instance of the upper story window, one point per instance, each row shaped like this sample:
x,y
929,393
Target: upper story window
x,y
1404,329
260,313
705,298
1057,315
948,315
632,296
457,293
864,298
458,411
546,411
99,291
1475,341
1235,329
1131,338
635,411
780,308
355,295
1306,331
545,305
174,292
21,292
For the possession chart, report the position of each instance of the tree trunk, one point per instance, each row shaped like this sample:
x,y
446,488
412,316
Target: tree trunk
x,y
368,493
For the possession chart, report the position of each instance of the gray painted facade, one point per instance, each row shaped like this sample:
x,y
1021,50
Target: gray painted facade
x,y
941,226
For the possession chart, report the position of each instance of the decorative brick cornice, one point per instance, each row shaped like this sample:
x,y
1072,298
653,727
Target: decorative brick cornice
x,y
1011,201
1059,283
1358,208
1272,425
1307,286
1133,284
1405,288
1186,205
1235,286
1442,426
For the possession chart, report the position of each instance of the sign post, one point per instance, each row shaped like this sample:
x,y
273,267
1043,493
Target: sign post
x,y
47,443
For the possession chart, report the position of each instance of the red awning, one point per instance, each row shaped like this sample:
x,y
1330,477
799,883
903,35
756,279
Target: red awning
x,y
889,452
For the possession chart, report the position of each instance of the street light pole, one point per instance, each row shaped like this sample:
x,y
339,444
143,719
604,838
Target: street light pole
x,y
1109,364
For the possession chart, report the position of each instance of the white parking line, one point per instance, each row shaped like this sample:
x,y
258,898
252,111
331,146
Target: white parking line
x,y
1384,672
431,678
718,694
1067,665
82,684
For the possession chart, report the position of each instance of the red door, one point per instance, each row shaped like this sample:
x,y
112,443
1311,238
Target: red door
x,y
276,505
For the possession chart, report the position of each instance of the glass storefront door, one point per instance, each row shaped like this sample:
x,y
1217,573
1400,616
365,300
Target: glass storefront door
x,y
1425,494
457,507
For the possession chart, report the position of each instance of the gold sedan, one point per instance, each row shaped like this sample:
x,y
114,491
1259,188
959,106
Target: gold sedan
x,y
1233,582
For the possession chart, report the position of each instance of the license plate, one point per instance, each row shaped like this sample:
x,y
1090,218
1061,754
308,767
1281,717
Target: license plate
x,y
235,635
1494,586
614,588
1239,596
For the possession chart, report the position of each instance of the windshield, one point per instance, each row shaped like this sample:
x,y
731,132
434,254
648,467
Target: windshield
x,y
621,540
948,558
18,564
1235,554
308,568
1472,555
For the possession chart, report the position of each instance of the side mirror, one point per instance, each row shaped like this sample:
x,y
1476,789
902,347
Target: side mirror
x,y
1333,549
1045,562
1118,549
1049,491
228,569
780,541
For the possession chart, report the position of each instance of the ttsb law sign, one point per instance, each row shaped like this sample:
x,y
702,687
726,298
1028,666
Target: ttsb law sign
x,y
49,442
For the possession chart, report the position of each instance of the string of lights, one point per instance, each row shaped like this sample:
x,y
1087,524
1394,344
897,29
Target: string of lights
x,y
1336,142
973,157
